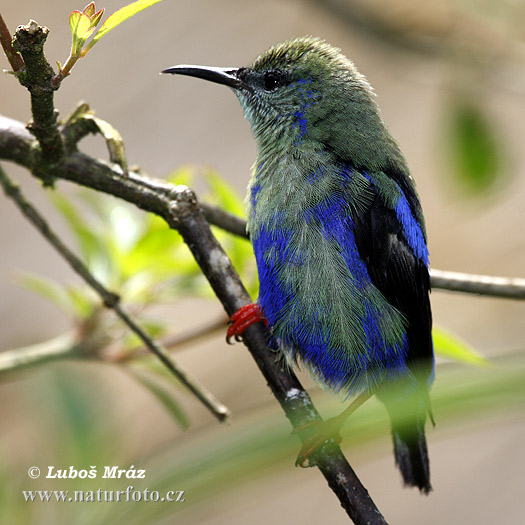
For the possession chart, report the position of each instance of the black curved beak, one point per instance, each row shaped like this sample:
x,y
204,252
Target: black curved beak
x,y
220,75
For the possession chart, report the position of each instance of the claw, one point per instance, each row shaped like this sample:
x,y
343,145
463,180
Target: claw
x,y
325,430
243,318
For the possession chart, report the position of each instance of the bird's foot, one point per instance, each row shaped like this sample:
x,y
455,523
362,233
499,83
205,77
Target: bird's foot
x,y
322,432
326,430
243,318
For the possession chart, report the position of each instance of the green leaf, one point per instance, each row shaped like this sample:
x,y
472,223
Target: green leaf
x,y
184,176
78,22
160,251
452,347
475,149
120,16
157,251
155,328
87,240
96,246
74,21
80,25
162,395
113,140
50,290
83,300
77,397
79,301
95,19
223,194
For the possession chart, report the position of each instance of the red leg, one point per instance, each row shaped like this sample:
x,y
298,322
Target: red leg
x,y
243,318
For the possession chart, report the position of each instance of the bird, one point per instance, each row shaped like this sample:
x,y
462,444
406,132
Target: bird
x,y
339,237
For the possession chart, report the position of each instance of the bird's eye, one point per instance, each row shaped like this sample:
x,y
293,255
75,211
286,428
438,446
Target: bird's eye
x,y
273,79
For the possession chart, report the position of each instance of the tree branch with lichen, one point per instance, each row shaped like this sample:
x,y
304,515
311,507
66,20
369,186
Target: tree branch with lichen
x,y
37,76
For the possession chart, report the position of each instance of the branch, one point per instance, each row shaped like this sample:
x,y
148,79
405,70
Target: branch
x,y
223,219
59,348
110,299
505,287
37,77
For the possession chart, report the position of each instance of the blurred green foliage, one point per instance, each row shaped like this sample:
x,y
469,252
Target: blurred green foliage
x,y
147,264
451,346
136,254
87,431
474,147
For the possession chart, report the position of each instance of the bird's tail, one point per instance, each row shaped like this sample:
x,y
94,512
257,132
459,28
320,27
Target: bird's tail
x,y
410,450
408,434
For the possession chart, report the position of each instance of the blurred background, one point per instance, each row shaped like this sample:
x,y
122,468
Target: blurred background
x,y
450,81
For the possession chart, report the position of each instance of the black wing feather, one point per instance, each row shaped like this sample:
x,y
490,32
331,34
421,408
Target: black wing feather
x,y
401,277
404,281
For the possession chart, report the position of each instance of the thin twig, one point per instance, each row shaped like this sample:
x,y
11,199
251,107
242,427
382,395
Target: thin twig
x,y
175,342
110,299
59,348
224,220
7,43
504,287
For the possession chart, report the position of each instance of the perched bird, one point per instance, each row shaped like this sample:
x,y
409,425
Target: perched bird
x,y
338,235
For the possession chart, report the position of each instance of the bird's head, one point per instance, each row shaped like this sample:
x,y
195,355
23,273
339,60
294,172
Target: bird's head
x,y
305,93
